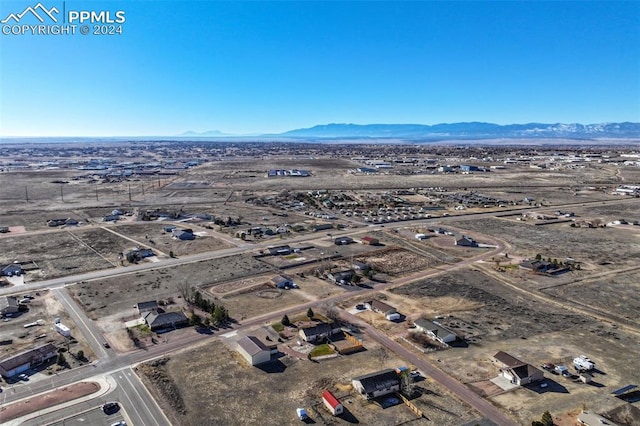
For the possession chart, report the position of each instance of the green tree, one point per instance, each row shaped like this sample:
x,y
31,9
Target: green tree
x,y
538,256
219,315
309,313
61,359
547,419
80,354
195,319
356,279
285,321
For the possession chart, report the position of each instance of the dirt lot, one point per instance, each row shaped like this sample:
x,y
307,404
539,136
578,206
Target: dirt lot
x,y
104,297
214,383
497,318
614,294
260,300
152,235
609,245
58,254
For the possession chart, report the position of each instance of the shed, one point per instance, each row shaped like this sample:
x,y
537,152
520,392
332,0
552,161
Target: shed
x,y
332,403
253,350
370,240
62,329
144,307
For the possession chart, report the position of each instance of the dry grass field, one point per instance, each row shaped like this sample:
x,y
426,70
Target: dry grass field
x,y
103,297
213,385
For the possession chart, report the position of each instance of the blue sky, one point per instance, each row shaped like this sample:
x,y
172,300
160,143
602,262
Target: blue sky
x,y
263,67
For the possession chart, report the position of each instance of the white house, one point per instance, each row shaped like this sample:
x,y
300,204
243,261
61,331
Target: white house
x,y
435,331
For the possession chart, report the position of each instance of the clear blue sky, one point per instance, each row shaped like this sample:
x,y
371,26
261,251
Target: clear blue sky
x,y
253,67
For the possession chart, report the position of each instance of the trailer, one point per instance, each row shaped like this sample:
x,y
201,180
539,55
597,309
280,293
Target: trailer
x,y
583,363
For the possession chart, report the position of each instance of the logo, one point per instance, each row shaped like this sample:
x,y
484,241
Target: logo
x,y
34,11
48,21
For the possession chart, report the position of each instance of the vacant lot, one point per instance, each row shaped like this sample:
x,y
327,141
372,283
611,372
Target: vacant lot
x,y
103,297
597,246
617,294
496,313
152,235
260,300
56,254
213,383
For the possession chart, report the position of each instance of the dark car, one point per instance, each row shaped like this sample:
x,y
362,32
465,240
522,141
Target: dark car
x,y
106,345
110,407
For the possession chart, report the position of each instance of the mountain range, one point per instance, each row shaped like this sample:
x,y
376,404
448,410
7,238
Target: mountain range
x,y
465,130
468,130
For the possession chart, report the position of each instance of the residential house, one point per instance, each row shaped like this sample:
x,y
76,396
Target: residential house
x,y
466,241
23,361
280,250
253,350
318,332
377,384
8,305
11,270
164,321
332,403
435,331
183,234
144,307
110,218
342,277
280,281
542,267
343,241
321,227
381,307
516,371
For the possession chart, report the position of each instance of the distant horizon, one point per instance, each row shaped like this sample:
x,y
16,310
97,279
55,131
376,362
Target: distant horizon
x,y
236,67
223,134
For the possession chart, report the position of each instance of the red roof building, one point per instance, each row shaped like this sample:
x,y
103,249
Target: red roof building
x,y
332,403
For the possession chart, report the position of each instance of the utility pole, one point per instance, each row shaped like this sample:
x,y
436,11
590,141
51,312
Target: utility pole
x,y
96,192
129,192
61,194
26,193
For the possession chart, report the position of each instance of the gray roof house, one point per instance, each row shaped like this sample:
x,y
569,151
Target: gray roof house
x,y
280,281
317,332
144,307
377,384
342,277
516,371
381,307
8,305
11,270
164,321
435,331
21,362
466,241
183,235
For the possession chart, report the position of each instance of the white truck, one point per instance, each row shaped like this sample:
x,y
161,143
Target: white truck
x,y
582,363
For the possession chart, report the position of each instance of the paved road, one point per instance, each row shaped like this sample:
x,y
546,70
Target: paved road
x,y
460,390
87,328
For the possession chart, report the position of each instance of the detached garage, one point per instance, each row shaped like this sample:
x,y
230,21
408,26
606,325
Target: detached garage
x,y
253,350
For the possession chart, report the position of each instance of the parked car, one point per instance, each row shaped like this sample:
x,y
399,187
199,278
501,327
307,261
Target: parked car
x,y
23,376
106,345
120,423
110,407
544,385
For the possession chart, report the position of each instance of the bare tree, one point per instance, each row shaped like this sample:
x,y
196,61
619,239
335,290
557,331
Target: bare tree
x,y
185,290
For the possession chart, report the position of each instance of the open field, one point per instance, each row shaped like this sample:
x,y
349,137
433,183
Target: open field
x,y
616,294
214,383
59,254
496,313
260,300
595,246
103,297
